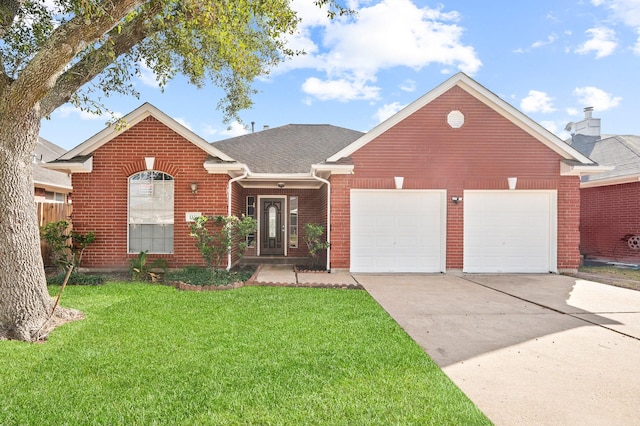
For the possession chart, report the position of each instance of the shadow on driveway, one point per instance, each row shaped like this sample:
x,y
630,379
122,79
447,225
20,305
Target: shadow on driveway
x,y
527,349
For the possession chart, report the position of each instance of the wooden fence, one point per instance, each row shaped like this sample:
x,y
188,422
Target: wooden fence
x,y
53,212
47,213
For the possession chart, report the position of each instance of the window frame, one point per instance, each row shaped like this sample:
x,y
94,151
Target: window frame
x,y
293,224
168,247
250,211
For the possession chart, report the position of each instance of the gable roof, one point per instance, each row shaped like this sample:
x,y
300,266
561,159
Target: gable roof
x,y
621,151
292,148
44,178
78,159
488,98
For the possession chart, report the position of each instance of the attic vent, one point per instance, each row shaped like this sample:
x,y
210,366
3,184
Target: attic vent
x,y
634,242
455,119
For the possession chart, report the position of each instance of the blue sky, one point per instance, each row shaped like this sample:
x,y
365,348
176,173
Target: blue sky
x,y
548,58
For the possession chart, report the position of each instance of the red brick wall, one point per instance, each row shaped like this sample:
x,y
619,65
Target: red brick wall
x,y
608,214
480,155
100,197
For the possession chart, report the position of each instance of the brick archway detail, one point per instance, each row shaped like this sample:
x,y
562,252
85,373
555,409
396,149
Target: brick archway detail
x,y
140,166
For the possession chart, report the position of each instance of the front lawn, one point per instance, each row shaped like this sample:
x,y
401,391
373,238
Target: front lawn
x,y
148,354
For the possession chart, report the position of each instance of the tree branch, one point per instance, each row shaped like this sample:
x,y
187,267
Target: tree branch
x,y
71,38
8,11
119,42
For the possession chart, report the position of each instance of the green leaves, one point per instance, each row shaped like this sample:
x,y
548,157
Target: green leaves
x,y
223,42
218,235
315,243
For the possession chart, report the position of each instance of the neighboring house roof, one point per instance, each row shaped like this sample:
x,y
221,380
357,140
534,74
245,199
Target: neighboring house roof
x,y
49,179
621,151
78,159
288,149
575,161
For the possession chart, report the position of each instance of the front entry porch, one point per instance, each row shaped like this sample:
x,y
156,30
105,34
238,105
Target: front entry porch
x,y
281,215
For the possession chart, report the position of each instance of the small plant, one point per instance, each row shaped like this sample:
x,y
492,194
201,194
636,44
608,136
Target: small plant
x,y
216,236
315,243
141,270
67,246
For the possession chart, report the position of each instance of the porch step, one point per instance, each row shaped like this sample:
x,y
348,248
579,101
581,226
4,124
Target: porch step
x,y
273,260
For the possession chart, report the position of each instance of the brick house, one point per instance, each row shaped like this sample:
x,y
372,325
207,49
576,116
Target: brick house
x,y
428,190
50,186
609,219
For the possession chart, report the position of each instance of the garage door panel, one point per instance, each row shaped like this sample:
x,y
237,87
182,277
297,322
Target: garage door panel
x,y
397,231
509,231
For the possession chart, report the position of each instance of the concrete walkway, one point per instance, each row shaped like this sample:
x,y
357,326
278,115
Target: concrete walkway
x,y
527,349
285,274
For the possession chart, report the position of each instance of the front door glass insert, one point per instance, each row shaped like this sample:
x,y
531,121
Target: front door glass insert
x,y
272,222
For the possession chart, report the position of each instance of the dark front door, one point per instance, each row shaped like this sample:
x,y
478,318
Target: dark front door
x,y
272,227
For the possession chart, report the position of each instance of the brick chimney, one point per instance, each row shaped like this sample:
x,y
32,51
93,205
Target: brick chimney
x,y
589,126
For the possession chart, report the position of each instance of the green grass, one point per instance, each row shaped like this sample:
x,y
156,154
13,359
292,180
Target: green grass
x,y
148,354
613,271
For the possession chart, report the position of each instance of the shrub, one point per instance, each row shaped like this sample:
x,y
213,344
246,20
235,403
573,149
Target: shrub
x,y
315,243
197,275
218,235
66,246
77,279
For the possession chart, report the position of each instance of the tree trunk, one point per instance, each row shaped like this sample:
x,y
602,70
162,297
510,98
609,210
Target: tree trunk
x,y
25,304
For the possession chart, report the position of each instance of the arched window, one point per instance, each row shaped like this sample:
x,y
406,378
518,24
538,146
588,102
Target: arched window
x,y
151,212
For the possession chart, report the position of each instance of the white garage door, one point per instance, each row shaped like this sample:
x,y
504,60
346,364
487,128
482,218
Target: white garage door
x,y
510,231
398,231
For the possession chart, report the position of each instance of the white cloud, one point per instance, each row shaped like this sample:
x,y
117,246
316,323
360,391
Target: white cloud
x,y
537,44
234,129
550,126
147,76
590,96
537,101
386,111
625,11
550,40
408,86
397,33
603,42
343,90
67,110
350,51
184,123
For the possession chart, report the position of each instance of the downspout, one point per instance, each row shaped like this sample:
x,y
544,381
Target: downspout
x,y
318,178
244,174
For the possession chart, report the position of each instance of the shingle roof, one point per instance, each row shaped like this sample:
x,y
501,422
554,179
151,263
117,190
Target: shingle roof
x,y
287,149
621,151
48,151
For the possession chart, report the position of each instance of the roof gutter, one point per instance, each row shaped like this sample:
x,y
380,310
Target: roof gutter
x,y
318,178
245,173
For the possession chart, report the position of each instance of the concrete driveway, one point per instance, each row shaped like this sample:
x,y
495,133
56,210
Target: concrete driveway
x,y
527,349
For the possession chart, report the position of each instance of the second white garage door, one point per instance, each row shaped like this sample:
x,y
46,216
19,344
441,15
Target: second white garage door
x,y
510,231
398,231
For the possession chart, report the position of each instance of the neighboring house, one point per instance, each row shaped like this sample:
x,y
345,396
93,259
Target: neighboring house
x,y
609,222
425,191
50,186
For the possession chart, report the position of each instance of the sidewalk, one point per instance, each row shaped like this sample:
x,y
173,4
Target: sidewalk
x,y
286,275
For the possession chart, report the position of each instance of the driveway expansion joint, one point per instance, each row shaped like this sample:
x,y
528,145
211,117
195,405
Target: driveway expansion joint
x,y
543,306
